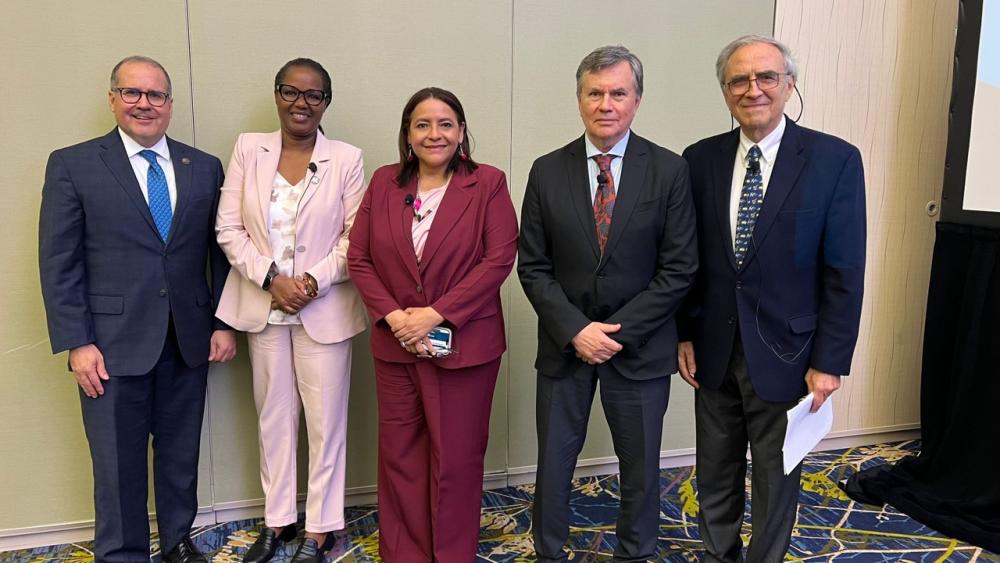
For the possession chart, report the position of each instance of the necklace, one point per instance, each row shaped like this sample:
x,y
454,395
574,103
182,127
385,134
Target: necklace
x,y
416,210
428,198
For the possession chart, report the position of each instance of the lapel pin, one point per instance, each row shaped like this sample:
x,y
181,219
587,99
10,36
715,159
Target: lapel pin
x,y
315,180
185,160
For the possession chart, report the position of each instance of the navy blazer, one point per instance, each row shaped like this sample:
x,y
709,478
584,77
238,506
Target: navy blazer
x,y
641,279
797,296
106,276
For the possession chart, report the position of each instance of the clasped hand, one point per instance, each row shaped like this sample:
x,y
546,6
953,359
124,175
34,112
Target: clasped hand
x,y
411,325
593,345
289,294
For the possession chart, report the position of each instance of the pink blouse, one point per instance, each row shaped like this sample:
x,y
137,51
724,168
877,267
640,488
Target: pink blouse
x,y
423,215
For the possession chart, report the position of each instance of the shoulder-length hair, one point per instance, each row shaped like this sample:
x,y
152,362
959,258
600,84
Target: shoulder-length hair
x,y
408,167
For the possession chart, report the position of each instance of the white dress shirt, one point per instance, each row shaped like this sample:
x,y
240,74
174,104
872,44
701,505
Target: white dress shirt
x,y
141,166
616,163
769,149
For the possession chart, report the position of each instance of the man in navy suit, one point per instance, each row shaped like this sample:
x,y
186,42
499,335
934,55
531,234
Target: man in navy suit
x,y
607,253
125,234
775,307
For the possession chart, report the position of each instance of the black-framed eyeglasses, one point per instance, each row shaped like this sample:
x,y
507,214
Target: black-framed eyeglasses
x,y
133,95
740,85
291,94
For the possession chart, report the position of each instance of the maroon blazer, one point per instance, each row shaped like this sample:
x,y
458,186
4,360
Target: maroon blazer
x,y
469,252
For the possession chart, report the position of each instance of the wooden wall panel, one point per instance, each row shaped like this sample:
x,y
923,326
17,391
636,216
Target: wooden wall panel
x,y
878,73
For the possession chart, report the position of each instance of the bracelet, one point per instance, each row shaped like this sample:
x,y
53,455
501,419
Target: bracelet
x,y
312,286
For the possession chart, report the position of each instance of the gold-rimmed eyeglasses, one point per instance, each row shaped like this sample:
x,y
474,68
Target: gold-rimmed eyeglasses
x,y
740,85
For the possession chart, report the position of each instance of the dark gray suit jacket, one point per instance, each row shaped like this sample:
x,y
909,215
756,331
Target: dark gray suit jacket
x,y
645,272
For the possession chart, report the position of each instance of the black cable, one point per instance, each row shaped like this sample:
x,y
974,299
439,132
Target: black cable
x,y
787,357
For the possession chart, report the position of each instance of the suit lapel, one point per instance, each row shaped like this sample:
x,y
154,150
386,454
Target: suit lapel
x,y
400,220
631,180
722,186
787,167
113,155
579,189
321,157
180,159
268,154
456,199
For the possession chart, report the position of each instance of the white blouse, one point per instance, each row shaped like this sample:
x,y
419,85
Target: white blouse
x,y
284,210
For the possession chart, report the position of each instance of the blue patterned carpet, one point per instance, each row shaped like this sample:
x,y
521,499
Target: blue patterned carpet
x,y
830,526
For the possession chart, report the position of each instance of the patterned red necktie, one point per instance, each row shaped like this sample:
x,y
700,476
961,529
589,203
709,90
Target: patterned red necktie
x,y
604,201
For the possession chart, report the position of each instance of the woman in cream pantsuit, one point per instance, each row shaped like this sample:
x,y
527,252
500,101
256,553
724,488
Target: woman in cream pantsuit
x,y
284,217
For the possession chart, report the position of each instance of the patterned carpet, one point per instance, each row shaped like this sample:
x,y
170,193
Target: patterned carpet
x,y
830,526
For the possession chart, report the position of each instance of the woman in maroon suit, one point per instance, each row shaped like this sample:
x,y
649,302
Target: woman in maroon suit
x,y
434,239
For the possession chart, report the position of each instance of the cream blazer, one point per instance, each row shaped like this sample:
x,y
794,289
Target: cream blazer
x,y
322,227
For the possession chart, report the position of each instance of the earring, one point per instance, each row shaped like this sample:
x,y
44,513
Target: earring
x,y
461,153
409,153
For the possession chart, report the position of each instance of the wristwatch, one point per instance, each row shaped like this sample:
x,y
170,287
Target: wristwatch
x,y
272,273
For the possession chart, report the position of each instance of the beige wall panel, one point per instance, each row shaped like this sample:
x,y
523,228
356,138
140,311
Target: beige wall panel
x,y
678,43
378,55
878,73
57,57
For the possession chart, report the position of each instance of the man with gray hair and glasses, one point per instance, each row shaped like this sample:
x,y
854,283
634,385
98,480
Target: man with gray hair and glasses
x,y
774,311
607,253
126,231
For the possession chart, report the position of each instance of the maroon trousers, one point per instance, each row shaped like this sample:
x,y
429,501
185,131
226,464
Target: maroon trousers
x,y
433,426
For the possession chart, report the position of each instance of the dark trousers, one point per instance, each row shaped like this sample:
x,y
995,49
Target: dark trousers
x,y
634,410
727,419
433,428
167,403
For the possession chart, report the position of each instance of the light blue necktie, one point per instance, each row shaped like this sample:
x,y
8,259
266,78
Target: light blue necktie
x,y
159,195
751,198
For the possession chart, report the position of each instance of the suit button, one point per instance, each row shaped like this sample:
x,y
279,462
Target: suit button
x,y
163,293
300,248
732,320
420,289
739,285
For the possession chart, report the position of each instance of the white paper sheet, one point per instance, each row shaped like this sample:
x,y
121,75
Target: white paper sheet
x,y
805,430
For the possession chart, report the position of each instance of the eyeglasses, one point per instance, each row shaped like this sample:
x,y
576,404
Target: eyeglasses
x,y
291,94
133,95
740,85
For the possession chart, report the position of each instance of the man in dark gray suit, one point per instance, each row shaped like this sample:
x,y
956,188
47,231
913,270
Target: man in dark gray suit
x,y
125,234
607,252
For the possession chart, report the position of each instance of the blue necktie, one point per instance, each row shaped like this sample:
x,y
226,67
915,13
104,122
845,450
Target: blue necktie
x,y
751,198
159,195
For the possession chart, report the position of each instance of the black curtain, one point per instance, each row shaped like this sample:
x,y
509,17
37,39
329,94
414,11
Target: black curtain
x,y
953,485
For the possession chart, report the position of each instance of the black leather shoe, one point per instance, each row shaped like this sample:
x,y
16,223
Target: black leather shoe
x,y
267,543
184,552
310,551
